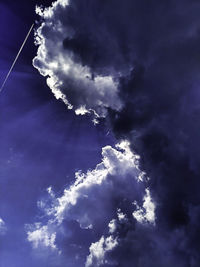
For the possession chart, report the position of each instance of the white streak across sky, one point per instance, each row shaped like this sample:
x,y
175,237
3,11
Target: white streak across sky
x,y
15,60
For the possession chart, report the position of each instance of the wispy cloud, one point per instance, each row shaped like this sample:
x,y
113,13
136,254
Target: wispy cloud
x,y
3,227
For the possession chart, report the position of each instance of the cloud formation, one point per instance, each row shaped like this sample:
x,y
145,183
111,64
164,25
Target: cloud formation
x,y
98,203
136,63
69,79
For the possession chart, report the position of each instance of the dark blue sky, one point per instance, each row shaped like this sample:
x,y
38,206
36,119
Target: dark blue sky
x,y
42,143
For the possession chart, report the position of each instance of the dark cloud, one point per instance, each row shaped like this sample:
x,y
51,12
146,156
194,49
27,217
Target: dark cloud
x,y
147,55
160,117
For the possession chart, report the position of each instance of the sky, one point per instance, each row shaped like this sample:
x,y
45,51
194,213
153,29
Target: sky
x,y
99,134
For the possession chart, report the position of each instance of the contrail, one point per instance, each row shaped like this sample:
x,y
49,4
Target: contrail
x,y
16,57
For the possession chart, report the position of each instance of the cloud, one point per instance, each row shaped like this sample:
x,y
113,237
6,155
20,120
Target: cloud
x,y
136,63
95,204
3,228
98,251
41,236
97,188
160,118
72,81
147,212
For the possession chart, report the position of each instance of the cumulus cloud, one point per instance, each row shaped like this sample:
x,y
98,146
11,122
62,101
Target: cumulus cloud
x,y
97,188
98,202
137,64
73,81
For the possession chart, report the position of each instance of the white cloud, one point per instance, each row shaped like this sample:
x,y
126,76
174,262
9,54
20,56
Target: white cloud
x,y
3,228
95,201
81,111
112,226
116,166
99,249
68,79
41,236
146,213
121,216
